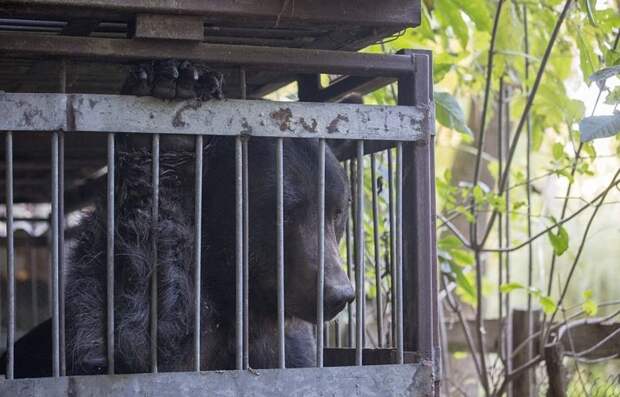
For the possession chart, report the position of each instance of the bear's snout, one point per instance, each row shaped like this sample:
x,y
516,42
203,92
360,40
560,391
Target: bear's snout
x,y
337,295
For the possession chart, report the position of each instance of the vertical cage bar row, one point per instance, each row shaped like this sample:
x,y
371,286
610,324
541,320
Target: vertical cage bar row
x,y
321,252
10,258
239,254
110,256
392,242
154,253
55,259
359,253
198,249
280,251
246,234
377,253
398,268
246,257
61,230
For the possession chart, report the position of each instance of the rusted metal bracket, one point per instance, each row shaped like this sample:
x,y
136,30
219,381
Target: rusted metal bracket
x,y
169,27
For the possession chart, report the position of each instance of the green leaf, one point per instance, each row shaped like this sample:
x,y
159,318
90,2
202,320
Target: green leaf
x,y
596,127
559,241
589,149
589,307
509,287
478,11
587,294
587,57
462,257
613,98
449,242
449,15
548,305
478,194
588,7
558,151
605,73
463,282
449,113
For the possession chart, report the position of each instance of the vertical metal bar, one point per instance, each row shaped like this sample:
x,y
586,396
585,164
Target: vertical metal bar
x,y
198,249
10,258
321,252
239,253
350,253
377,253
246,235
55,258
246,258
359,249
61,229
154,251
419,268
398,268
337,334
280,251
392,240
110,255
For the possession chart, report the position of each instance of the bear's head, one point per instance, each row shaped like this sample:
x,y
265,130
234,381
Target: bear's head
x,y
301,223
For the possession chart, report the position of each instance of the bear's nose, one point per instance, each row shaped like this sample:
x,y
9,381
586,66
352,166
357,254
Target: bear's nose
x,y
336,298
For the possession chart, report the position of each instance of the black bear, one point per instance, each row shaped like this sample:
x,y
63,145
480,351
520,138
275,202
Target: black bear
x,y
86,281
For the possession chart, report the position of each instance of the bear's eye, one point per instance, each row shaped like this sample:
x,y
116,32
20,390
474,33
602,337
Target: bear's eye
x,y
338,214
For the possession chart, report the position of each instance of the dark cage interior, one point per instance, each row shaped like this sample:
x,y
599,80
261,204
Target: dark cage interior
x,y
190,224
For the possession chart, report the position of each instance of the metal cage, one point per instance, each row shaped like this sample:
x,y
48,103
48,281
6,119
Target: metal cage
x,y
405,359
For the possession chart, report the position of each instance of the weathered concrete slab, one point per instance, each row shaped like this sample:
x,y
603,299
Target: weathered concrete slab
x,y
116,113
377,380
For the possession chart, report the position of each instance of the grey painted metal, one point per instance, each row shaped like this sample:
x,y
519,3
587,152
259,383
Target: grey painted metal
x,y
350,256
293,60
280,251
419,269
392,241
198,250
110,255
375,380
395,13
398,269
169,27
121,113
154,251
376,249
61,229
359,256
320,283
246,255
246,234
10,257
239,254
61,253
55,259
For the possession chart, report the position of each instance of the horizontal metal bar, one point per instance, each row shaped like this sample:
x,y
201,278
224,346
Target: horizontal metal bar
x,y
120,113
361,12
293,60
376,380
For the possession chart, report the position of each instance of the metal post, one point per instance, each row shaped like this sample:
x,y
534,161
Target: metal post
x,y
154,252
55,258
10,257
239,253
61,229
197,249
377,253
280,251
110,256
419,268
359,249
321,253
398,268
392,241
246,235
